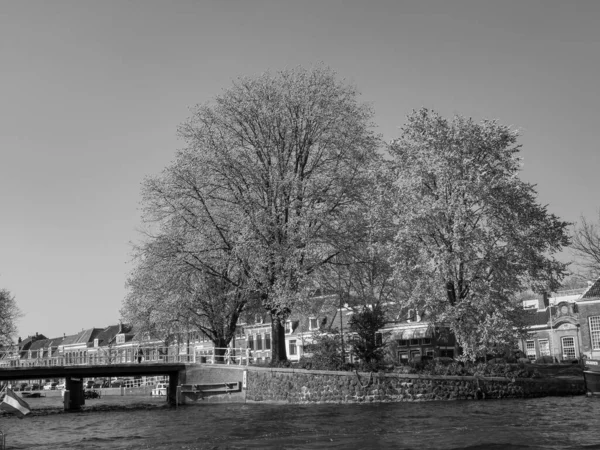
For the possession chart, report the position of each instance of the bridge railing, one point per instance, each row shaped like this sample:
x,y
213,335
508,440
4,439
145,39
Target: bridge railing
x,y
141,355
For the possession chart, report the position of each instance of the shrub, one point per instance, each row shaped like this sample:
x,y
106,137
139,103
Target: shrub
x,y
325,353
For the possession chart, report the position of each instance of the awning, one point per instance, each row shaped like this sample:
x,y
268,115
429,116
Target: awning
x,y
414,333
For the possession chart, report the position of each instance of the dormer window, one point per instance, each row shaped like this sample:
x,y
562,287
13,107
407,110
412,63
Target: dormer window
x,y
121,338
313,323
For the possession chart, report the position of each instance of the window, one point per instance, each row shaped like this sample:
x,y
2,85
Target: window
x,y
426,341
251,342
544,346
258,342
568,346
447,353
292,347
429,352
120,338
595,332
403,357
313,323
414,342
530,350
288,327
268,341
414,353
96,343
402,342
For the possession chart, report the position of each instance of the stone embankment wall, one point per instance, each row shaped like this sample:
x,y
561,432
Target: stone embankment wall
x,y
303,386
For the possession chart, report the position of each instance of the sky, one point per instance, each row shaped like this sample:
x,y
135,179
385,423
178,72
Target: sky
x,y
91,94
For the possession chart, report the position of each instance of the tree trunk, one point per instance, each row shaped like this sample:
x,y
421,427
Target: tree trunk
x,y
278,352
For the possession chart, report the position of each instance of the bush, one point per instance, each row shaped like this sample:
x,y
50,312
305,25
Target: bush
x,y
502,370
325,353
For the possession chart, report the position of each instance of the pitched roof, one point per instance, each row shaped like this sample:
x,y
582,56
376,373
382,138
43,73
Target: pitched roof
x,y
67,340
538,317
324,309
88,335
54,342
593,291
107,335
39,344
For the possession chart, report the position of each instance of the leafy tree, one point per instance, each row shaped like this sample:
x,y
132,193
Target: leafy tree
x,y
275,164
362,274
470,233
586,243
170,294
9,314
366,341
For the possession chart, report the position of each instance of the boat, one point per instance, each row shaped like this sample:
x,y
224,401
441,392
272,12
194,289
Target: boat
x,y
160,390
591,376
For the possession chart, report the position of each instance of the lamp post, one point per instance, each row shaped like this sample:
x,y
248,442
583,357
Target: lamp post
x,y
339,289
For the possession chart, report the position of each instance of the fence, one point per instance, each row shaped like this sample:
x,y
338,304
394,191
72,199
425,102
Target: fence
x,y
140,355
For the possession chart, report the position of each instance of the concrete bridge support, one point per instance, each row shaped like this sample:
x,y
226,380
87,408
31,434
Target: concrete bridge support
x,y
172,391
74,397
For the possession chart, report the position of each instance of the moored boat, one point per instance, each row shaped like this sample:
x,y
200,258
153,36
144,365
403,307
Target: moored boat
x,y
160,390
591,375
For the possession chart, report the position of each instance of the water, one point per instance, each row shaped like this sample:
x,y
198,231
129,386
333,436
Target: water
x,y
143,423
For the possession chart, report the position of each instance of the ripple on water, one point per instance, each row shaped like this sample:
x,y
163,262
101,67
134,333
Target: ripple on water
x,y
121,423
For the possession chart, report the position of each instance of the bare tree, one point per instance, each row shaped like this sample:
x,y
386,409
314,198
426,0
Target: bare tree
x,y
9,314
586,244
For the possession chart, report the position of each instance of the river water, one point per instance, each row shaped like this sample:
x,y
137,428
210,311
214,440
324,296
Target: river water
x,y
145,423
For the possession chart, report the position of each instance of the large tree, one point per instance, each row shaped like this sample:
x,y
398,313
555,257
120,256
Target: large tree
x,y
271,169
9,313
170,293
470,232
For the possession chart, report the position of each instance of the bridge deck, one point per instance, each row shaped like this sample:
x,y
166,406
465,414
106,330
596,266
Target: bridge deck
x,y
113,370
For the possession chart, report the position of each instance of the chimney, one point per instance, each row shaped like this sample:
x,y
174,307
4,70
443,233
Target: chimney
x,y
546,299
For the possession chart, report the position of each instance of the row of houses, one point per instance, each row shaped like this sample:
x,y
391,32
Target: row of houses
x,y
410,336
563,327
94,345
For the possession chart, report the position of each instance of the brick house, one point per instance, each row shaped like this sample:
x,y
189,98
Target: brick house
x,y
589,320
554,326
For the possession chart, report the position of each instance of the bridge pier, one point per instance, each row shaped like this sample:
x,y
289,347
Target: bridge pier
x,y
172,391
74,397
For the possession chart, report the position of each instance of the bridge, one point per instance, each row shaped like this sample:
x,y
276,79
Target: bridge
x,y
74,376
112,364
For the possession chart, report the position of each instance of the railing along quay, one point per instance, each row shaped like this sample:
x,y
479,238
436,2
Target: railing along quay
x,y
140,355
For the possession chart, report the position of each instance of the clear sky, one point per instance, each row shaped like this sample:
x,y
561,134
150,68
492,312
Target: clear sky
x,y
91,93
